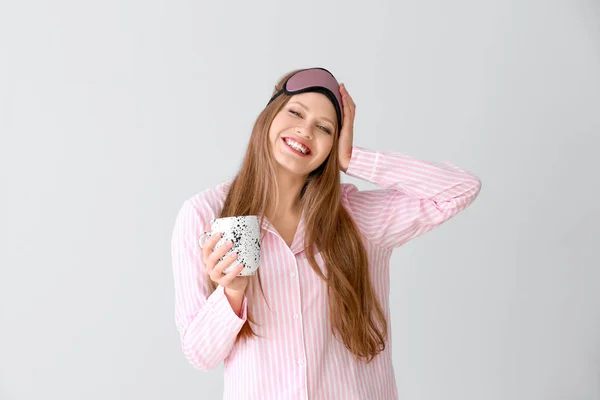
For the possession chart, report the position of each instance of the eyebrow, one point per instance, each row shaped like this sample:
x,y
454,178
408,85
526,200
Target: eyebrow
x,y
307,109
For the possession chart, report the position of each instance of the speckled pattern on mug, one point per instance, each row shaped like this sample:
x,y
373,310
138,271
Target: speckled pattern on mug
x,y
244,231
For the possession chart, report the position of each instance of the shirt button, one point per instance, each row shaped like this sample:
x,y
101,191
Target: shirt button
x,y
296,316
300,362
293,274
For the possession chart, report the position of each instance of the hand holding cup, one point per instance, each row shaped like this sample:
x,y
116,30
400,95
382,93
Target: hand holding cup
x,y
214,268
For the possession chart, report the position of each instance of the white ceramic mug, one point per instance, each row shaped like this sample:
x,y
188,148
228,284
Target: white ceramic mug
x,y
244,232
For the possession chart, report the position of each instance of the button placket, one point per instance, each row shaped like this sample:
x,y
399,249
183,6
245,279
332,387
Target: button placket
x,y
300,348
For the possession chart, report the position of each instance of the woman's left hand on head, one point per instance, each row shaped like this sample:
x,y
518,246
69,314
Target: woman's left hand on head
x,y
347,132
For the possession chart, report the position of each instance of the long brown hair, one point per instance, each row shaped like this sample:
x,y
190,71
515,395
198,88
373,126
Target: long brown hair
x,y
356,314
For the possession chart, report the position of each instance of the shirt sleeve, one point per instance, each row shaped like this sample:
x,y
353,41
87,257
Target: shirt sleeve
x,y
416,195
207,324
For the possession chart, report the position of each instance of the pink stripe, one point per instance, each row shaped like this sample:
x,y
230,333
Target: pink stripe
x,y
299,358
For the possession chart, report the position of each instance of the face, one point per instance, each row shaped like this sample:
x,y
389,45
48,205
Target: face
x,y
301,135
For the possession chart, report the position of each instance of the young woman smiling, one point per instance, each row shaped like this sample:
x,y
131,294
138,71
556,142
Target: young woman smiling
x,y
319,327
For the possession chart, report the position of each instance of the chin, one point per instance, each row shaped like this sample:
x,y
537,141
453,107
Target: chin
x,y
291,169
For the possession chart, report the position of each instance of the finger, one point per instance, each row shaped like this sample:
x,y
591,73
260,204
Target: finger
x,y
207,251
348,115
208,245
350,101
216,255
227,279
349,106
216,272
227,261
346,98
344,91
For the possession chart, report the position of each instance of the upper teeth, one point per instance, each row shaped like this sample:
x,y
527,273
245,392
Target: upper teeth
x,y
296,145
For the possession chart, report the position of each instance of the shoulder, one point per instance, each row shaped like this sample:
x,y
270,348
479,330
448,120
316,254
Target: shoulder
x,y
207,203
347,189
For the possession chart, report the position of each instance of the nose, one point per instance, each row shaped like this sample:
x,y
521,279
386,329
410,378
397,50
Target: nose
x,y
302,130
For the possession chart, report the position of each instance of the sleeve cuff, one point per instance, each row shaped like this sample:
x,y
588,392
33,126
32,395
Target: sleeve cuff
x,y
220,306
363,163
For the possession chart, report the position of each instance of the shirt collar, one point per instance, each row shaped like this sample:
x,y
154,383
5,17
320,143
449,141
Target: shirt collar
x,y
298,241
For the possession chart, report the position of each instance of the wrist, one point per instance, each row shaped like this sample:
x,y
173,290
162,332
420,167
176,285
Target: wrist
x,y
234,292
345,161
235,299
344,165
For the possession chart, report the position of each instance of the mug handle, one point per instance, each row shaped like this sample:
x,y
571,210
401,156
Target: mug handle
x,y
203,237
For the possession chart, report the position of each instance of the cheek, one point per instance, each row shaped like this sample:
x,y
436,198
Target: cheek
x,y
329,146
276,127
274,130
326,150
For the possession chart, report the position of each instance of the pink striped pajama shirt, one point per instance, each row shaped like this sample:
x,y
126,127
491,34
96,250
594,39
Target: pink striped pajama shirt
x,y
298,357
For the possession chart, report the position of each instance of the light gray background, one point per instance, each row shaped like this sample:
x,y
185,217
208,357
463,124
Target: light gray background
x,y
115,112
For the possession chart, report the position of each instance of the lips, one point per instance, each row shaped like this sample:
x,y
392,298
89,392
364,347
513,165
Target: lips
x,y
303,143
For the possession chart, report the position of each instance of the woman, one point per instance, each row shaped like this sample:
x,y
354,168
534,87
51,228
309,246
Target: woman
x,y
318,328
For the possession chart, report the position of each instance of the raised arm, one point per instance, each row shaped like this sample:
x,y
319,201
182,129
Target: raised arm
x,y
416,195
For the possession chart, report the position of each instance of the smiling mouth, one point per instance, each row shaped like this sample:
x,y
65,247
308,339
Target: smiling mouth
x,y
295,149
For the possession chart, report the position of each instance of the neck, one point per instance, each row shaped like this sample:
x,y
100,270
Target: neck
x,y
290,186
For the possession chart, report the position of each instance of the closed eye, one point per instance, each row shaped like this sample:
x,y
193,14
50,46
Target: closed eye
x,y
325,129
320,126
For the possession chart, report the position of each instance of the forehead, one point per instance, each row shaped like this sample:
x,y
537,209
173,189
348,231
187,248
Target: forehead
x,y
317,103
